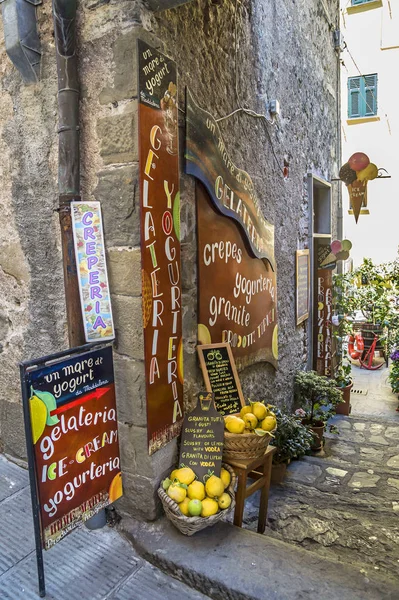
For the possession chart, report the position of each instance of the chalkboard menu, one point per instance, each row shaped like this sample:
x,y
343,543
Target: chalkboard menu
x,y
221,377
302,285
201,446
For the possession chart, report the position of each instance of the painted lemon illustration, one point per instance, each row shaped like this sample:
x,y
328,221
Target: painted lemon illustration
x,y
275,342
180,370
176,215
115,489
204,336
38,417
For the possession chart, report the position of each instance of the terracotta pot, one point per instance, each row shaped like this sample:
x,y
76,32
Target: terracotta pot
x,y
318,430
278,473
345,407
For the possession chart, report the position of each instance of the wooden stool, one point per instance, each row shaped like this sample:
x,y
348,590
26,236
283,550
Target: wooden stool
x,y
249,468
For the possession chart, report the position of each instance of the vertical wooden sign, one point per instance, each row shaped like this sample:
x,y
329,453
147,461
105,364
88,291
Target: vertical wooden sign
x,y
302,285
160,245
324,337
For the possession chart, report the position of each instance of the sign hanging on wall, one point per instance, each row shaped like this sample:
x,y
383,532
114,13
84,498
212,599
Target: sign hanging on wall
x,y
202,438
324,334
72,438
236,272
160,245
92,271
302,285
221,377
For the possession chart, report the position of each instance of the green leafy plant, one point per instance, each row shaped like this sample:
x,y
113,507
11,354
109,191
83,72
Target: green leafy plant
x,y
291,438
317,396
394,372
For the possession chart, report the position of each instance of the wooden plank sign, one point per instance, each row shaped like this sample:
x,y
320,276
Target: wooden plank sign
x,y
72,438
221,377
302,285
201,446
160,246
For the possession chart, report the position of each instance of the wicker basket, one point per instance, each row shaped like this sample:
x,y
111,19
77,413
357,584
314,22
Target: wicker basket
x,y
244,445
190,525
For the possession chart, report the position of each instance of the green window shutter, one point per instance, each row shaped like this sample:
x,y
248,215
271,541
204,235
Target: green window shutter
x,y
354,98
370,87
362,96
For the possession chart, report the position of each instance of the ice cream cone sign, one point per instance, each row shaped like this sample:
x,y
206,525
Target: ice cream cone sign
x,y
355,174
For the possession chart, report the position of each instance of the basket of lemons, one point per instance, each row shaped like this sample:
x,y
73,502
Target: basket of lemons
x,y
248,433
192,505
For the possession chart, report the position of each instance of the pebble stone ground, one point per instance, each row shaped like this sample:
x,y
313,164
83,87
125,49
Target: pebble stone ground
x,y
343,502
89,565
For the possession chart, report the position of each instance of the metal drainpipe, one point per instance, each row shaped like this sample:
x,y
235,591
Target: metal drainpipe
x,y
21,37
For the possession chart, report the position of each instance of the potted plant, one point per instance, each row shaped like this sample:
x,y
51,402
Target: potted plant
x,y
394,372
343,382
292,440
318,397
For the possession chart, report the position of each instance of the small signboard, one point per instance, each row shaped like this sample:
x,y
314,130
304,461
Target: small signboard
x,y
302,285
221,377
72,434
92,271
201,446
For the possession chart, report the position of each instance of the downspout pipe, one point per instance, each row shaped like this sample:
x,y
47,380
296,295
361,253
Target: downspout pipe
x,y
64,14
21,37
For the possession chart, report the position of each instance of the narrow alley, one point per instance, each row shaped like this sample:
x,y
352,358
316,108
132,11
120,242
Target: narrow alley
x,y
342,502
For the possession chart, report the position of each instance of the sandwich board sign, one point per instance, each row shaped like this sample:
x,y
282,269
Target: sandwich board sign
x,y
72,441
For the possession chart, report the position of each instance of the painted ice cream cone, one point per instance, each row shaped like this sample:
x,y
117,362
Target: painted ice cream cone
x,y
358,196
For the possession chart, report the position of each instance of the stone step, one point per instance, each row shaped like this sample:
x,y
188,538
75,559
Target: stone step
x,y
229,563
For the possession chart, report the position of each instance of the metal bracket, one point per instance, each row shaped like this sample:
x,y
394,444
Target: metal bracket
x,y
21,37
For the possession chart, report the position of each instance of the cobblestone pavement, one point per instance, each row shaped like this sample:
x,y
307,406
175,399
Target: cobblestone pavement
x,y
89,565
343,502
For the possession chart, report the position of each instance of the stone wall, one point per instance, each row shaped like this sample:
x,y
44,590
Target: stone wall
x,y
230,54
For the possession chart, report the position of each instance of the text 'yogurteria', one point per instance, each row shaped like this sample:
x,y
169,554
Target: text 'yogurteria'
x,y
160,297
75,423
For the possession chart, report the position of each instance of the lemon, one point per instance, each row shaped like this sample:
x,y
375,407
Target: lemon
x,y
196,490
259,410
194,507
235,425
184,475
250,421
203,335
225,477
176,492
228,418
214,487
245,410
224,501
275,342
209,507
269,423
38,417
173,475
184,506
115,489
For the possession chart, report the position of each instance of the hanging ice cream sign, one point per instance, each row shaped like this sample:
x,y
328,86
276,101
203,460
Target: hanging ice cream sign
x,y
356,173
92,271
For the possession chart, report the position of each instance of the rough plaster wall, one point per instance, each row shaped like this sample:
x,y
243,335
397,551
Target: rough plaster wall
x,y
284,51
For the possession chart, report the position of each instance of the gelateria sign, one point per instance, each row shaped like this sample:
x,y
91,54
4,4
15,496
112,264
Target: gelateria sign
x,y
160,249
237,274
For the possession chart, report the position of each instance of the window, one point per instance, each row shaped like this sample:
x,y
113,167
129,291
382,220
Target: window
x,y
362,96
356,2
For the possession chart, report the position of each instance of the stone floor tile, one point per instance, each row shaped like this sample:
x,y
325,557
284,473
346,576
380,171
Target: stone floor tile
x,y
393,482
336,472
359,426
394,462
363,480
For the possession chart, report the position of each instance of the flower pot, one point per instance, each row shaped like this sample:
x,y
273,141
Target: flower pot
x,y
345,407
318,430
278,473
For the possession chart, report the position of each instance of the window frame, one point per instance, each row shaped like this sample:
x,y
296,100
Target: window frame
x,y
360,92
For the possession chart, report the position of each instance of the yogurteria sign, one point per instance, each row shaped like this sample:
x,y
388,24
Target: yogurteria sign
x,y
160,246
72,438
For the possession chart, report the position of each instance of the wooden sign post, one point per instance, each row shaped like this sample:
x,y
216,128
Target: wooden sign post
x,y
201,446
221,377
71,432
302,285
